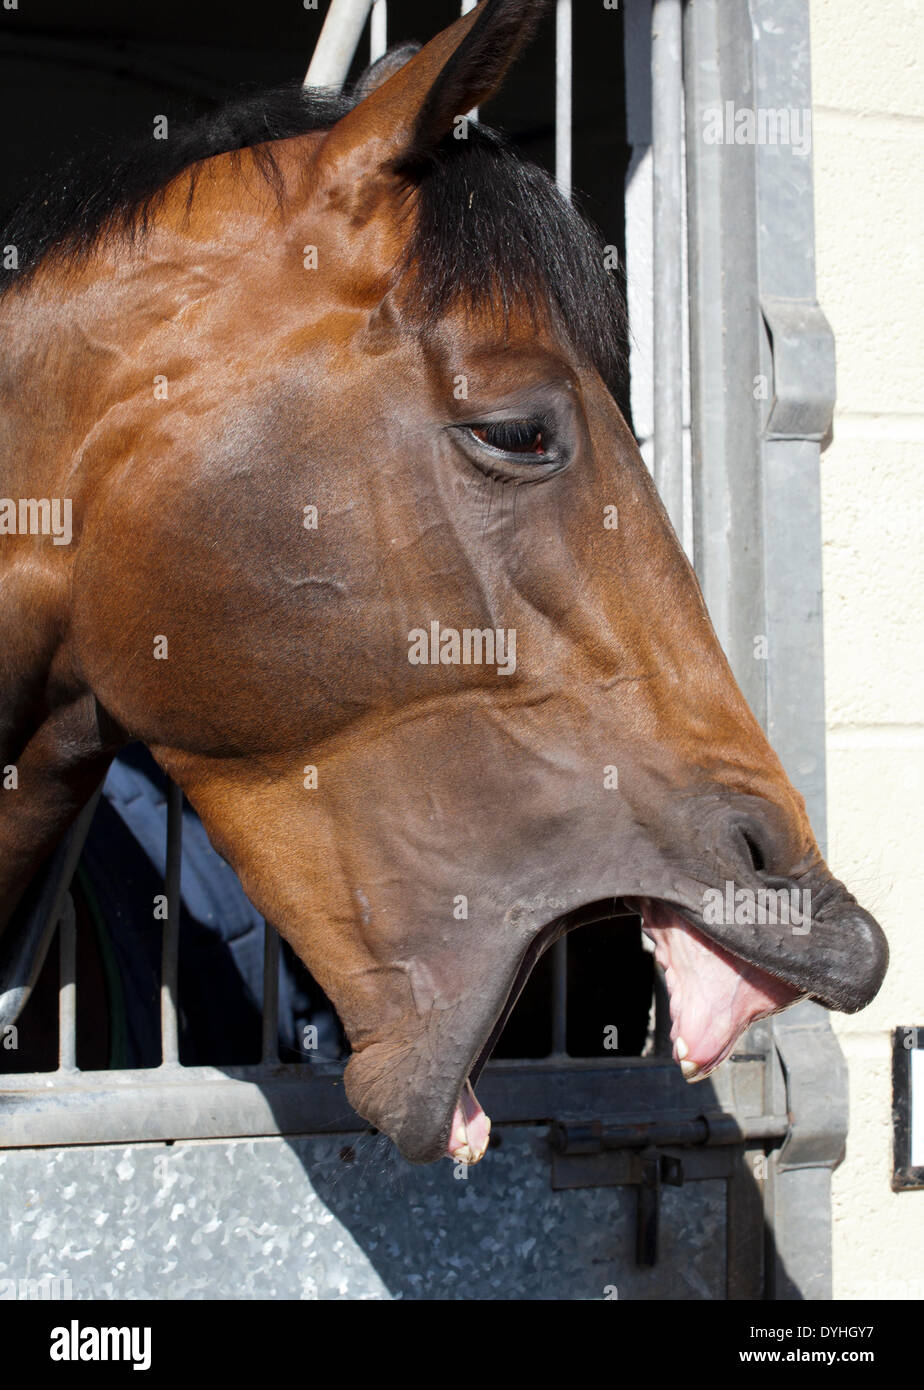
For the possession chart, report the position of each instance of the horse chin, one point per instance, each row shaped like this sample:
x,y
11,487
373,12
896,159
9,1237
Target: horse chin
x,y
417,1083
433,1117
428,1116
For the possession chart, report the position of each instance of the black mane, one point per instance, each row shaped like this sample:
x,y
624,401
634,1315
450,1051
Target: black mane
x,y
115,193
491,227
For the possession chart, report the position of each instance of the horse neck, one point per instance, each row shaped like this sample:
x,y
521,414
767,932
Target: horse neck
x,y
52,754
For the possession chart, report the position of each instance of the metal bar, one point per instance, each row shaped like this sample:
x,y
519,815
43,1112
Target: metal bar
x,y
467,7
67,992
667,151
24,1083
812,1083
563,111
270,994
378,30
745,1234
171,940
25,942
715,1130
724,350
560,998
563,95
337,44
177,1102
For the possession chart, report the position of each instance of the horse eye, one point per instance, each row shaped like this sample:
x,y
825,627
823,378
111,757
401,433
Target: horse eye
x,y
512,437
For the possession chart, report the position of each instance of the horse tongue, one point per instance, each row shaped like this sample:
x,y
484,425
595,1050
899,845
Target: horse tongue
x,y
471,1129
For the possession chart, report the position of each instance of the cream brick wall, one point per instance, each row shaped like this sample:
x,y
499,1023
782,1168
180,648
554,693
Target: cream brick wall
x,y
868,91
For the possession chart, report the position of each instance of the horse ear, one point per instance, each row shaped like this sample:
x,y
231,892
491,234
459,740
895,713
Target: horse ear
x,y
401,121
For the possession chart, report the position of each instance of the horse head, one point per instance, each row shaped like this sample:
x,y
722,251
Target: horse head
x,y
365,552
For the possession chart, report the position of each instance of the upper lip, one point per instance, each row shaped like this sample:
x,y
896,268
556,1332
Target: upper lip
x,y
840,961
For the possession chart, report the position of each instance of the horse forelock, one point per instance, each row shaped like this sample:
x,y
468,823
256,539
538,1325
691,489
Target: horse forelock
x,y
493,233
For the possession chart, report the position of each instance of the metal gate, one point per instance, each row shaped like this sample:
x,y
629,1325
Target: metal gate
x,y
609,1177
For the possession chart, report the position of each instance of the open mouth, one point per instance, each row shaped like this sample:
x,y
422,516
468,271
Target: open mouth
x,y
714,997
720,978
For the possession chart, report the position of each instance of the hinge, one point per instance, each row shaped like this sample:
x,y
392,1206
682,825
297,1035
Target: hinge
x,y
816,1088
802,349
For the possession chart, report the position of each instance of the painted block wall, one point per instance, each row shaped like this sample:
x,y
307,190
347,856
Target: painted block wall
x,y
868,93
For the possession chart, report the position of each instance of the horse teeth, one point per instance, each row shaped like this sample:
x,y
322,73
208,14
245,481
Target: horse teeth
x,y
682,1049
689,1069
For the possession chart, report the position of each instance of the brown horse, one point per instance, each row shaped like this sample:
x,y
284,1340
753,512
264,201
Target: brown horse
x,y
363,550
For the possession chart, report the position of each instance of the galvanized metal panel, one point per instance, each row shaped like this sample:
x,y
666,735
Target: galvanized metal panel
x,y
329,1218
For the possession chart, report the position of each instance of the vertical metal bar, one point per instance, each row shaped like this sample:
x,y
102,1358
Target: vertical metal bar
x,y
560,998
467,7
667,151
339,39
378,30
23,950
725,339
563,82
815,1080
563,111
170,1051
67,993
270,994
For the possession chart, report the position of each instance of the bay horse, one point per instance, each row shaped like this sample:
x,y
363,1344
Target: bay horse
x,y
361,547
